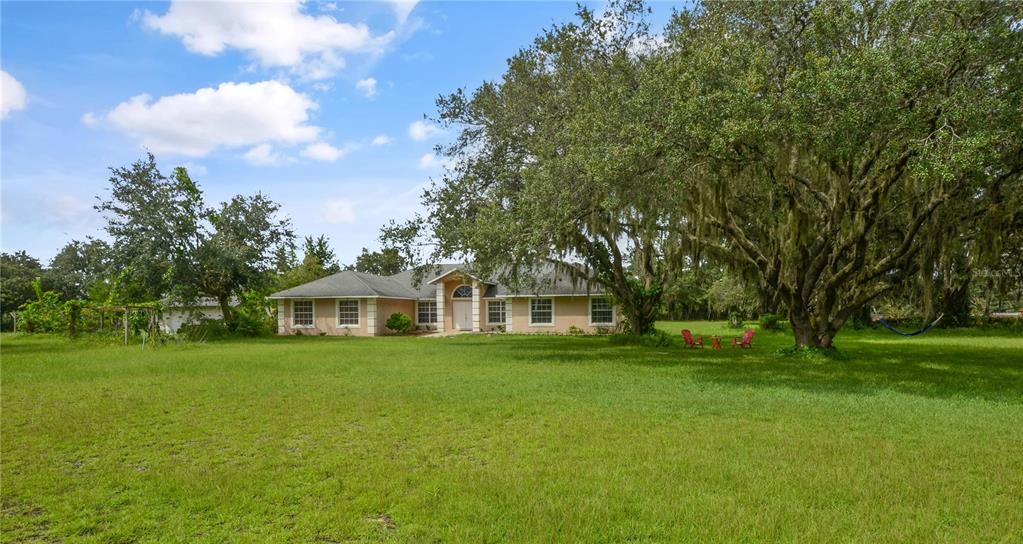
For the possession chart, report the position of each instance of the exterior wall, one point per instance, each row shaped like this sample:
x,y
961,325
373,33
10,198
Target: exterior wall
x,y
388,306
568,312
373,313
325,319
173,319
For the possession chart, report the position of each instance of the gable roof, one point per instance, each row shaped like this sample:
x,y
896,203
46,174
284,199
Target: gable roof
x,y
348,283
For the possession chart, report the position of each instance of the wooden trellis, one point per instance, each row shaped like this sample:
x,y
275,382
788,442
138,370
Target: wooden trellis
x,y
125,312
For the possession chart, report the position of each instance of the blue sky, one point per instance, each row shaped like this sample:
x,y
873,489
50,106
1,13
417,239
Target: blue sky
x,y
315,104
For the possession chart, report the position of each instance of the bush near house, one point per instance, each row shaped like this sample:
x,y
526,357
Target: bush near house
x,y
399,323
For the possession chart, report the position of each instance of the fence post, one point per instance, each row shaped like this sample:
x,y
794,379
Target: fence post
x,y
126,310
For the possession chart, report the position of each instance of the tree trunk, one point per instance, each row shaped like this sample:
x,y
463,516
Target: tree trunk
x,y
956,304
928,290
641,312
225,308
811,331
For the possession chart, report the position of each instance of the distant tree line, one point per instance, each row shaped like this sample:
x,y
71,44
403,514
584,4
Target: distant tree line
x,y
167,244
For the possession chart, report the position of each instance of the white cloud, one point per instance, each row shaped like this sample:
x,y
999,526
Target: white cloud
x,y
276,34
321,151
12,94
422,130
368,87
382,139
431,161
89,119
263,155
338,211
403,8
231,115
67,208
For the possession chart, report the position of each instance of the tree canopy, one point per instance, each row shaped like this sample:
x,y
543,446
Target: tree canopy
x,y
809,146
168,241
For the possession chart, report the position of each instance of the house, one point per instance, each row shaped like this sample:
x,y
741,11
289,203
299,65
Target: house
x,y
178,313
448,299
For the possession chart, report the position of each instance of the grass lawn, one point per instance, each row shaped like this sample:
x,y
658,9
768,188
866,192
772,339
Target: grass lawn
x,y
513,439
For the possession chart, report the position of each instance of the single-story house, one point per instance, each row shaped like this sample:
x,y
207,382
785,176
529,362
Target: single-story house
x,y
448,298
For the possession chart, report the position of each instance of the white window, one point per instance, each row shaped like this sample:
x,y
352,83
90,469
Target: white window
x,y
427,311
347,312
601,311
495,312
302,313
541,311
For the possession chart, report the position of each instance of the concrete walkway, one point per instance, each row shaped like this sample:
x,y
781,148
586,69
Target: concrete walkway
x,y
445,334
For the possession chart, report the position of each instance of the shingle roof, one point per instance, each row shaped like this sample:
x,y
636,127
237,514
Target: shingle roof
x,y
425,289
348,283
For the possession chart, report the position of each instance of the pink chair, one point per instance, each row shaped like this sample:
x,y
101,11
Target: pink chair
x,y
746,341
690,342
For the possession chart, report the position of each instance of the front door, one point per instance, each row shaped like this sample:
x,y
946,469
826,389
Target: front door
x,y
463,314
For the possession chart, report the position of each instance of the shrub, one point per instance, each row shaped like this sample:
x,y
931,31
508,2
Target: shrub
x,y
45,314
653,339
399,323
735,320
770,322
205,329
575,331
248,325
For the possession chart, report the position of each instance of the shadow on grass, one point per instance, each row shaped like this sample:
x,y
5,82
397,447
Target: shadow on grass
x,y
945,367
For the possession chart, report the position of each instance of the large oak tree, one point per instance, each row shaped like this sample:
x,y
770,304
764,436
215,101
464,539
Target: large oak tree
x,y
554,165
822,138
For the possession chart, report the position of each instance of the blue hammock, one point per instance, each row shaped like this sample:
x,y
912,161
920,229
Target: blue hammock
x,y
914,333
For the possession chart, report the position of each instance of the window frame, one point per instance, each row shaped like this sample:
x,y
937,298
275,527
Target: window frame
x,y
537,324
436,317
312,314
504,312
455,290
358,312
613,313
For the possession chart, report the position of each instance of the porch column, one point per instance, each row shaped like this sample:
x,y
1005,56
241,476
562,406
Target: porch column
x,y
281,317
440,307
371,316
509,303
475,306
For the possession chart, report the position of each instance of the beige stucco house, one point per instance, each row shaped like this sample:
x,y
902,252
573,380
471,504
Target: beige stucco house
x,y
447,299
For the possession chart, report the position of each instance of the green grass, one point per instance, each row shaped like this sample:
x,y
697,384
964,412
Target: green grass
x,y
513,439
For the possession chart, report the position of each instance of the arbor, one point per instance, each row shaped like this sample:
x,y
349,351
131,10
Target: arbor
x,y
824,137
556,164
170,243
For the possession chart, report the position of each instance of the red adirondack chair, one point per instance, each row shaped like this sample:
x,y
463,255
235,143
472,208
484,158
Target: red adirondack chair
x,y
746,341
690,341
